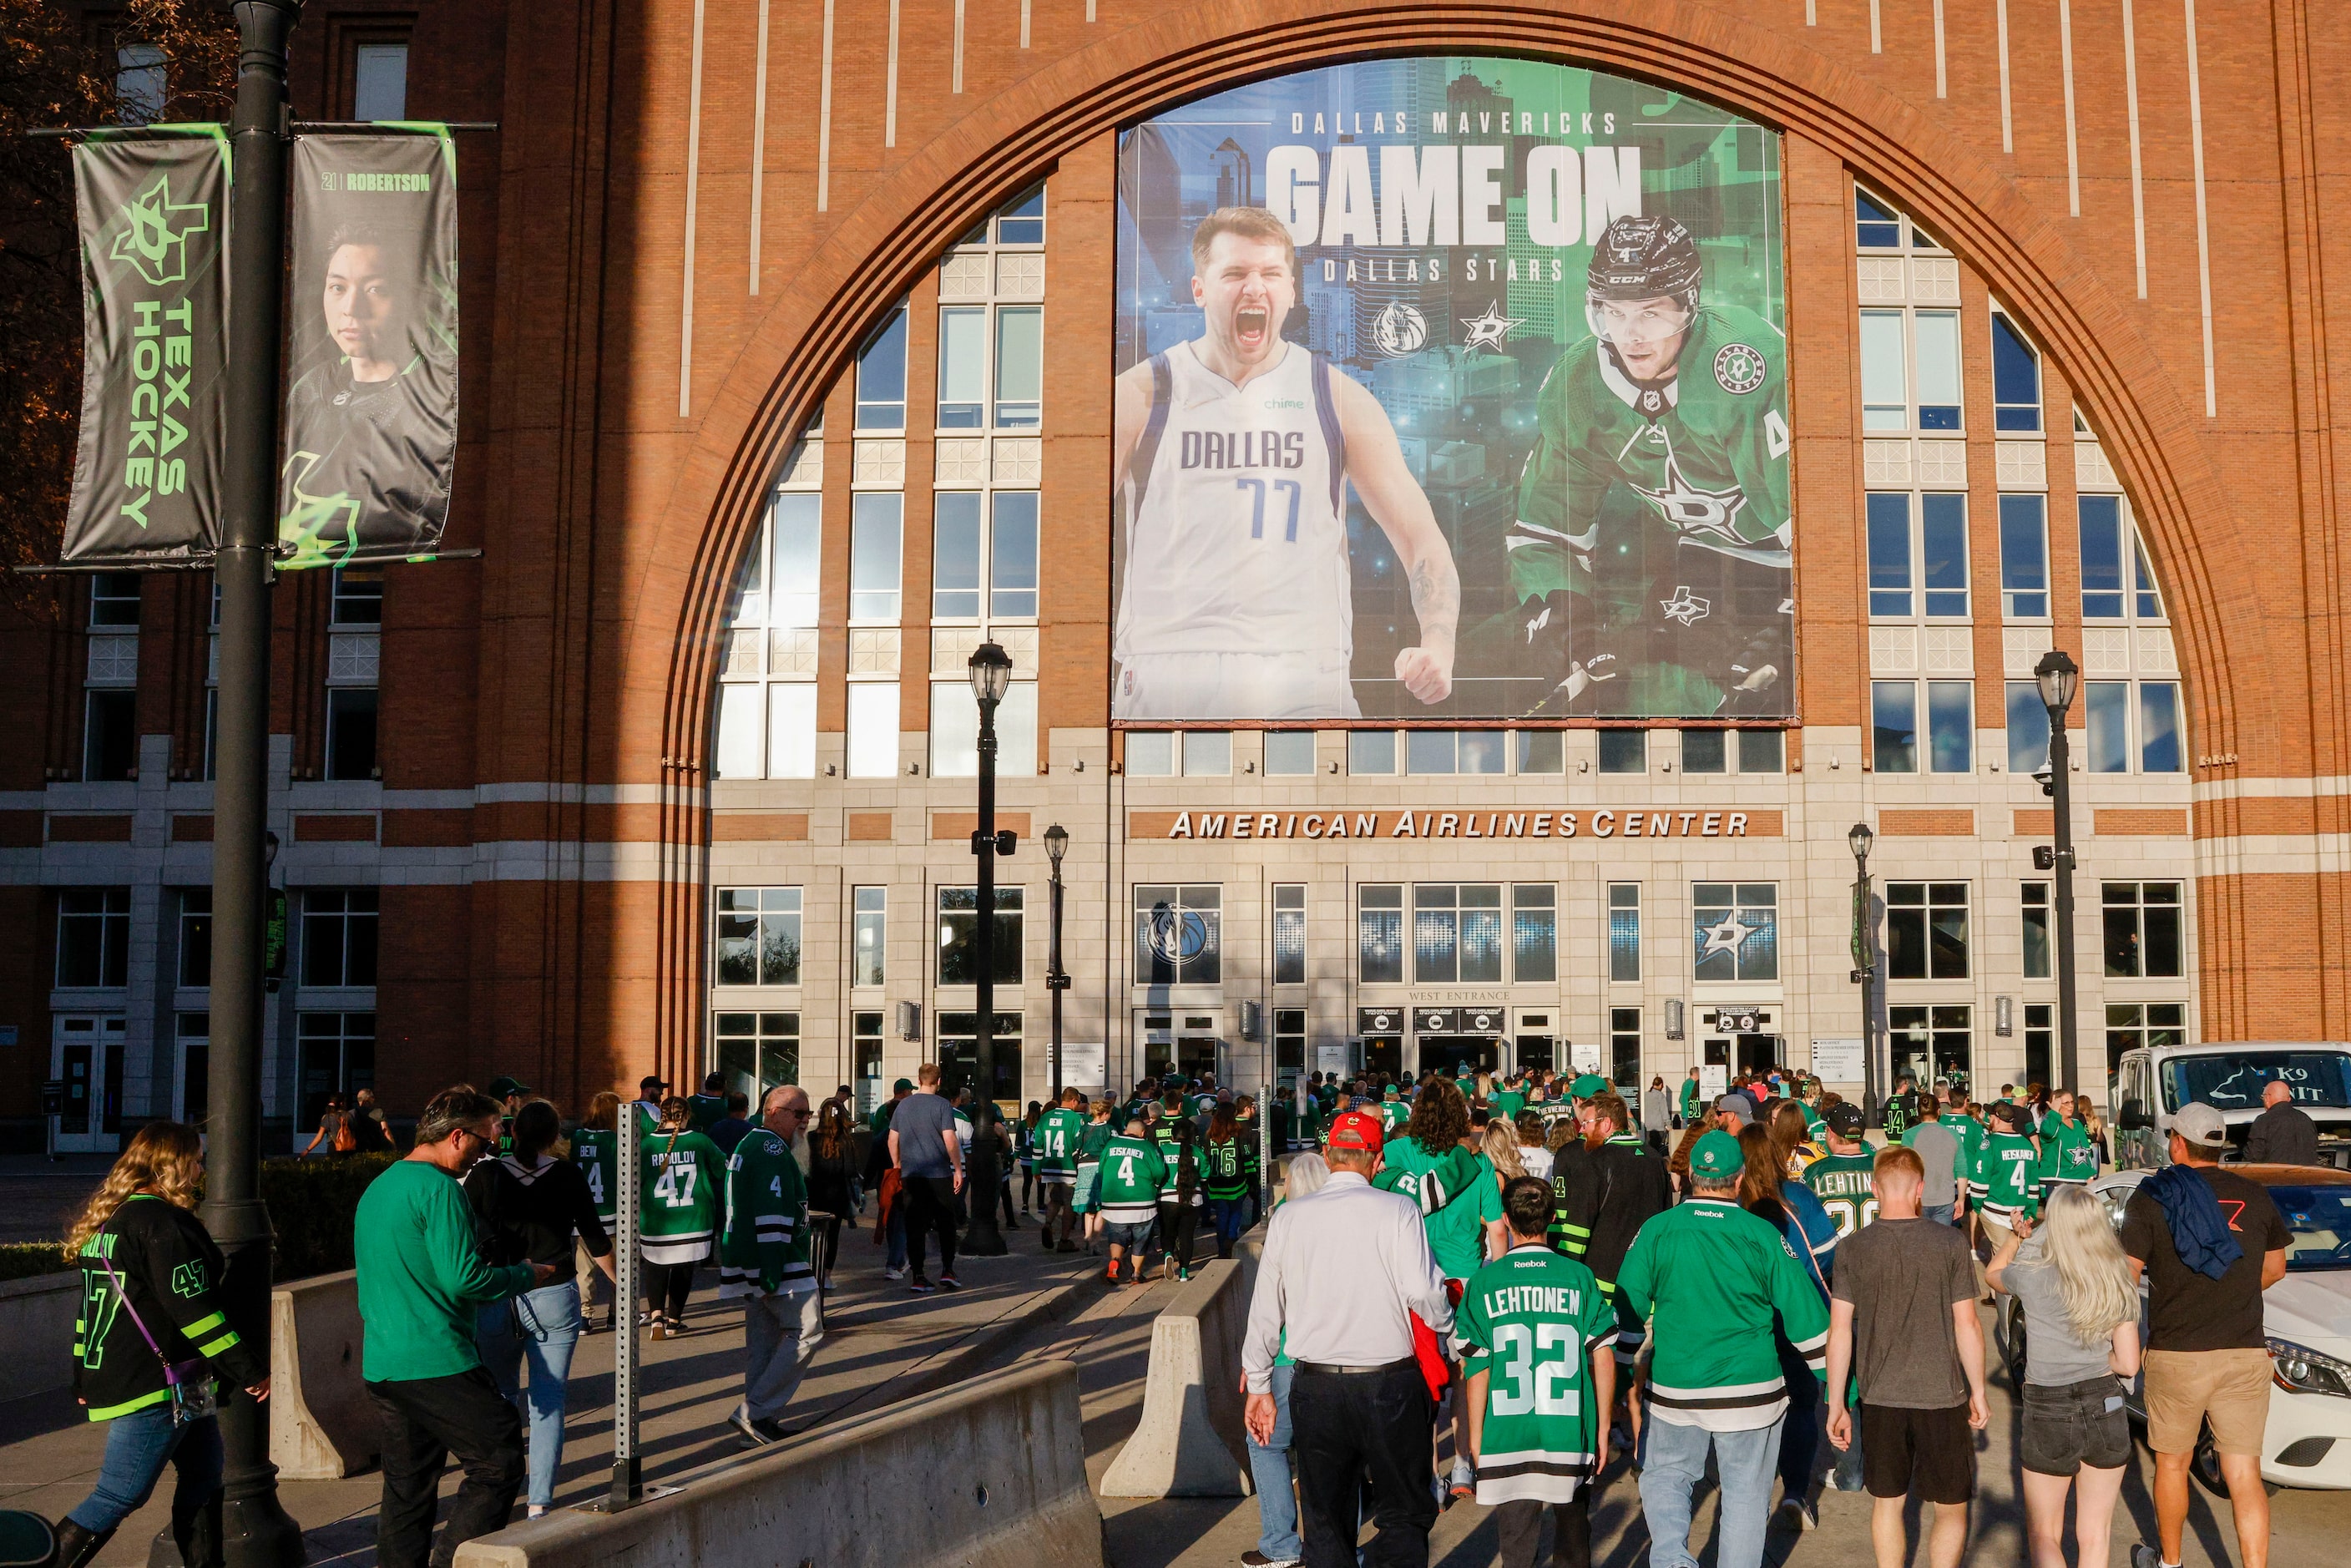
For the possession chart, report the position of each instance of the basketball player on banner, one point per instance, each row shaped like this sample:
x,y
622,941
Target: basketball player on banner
x,y
1233,454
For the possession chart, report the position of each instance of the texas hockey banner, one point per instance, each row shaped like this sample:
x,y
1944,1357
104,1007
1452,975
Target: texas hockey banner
x,y
371,434
1451,389
153,215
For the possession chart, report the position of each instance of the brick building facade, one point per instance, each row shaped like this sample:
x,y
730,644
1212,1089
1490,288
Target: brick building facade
x,y
599,802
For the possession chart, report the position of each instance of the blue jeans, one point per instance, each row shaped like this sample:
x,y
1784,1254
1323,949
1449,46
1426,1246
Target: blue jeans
x,y
1801,1429
1227,1214
1674,1462
539,1327
896,1233
138,1446
1941,1213
1269,1467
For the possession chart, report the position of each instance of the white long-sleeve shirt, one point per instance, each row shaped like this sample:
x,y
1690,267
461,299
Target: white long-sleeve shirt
x,y
1344,1268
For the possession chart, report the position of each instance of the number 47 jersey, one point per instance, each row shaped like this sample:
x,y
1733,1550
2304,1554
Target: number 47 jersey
x,y
1533,1322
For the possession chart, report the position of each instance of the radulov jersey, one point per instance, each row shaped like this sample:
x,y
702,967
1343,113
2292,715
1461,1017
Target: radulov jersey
x,y
597,1152
1221,1168
1846,1187
683,1194
1132,1176
1533,1321
2066,1151
1709,1278
1236,516
2008,1171
765,1250
1058,1133
1705,452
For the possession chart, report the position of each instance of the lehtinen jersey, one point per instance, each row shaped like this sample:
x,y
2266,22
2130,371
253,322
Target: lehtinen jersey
x,y
1705,452
1236,516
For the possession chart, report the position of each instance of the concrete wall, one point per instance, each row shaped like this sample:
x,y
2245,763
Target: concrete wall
x,y
990,1473
322,1427
37,1323
1189,1442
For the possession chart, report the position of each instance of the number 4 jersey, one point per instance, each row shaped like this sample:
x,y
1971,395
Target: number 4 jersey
x,y
596,1152
1533,1321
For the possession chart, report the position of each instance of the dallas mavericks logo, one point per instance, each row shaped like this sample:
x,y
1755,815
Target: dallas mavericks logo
x,y
1399,330
1176,939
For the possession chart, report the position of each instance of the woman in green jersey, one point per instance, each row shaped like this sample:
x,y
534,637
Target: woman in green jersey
x,y
685,1183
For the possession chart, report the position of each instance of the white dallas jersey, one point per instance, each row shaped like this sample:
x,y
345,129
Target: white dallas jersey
x,y
1237,517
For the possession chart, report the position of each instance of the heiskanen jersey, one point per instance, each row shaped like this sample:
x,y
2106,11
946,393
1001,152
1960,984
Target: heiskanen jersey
x,y
1705,452
596,1151
1132,1176
2007,1170
1236,516
1533,1321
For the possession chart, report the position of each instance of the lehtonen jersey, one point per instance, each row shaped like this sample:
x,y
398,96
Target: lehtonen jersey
x,y
1705,452
684,1181
766,1246
1533,1321
1709,1277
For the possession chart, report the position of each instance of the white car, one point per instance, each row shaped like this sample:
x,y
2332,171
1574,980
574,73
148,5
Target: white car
x,y
2306,1317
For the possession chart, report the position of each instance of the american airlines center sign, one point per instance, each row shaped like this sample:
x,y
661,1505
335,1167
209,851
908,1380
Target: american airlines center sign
x,y
1604,823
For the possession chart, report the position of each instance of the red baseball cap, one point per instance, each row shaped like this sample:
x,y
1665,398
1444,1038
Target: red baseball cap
x,y
1355,1130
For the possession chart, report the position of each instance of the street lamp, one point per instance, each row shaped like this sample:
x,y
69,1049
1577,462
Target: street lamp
x,y
1057,980
991,675
2058,679
1865,965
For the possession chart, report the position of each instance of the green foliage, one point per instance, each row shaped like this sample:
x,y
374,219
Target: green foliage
x,y
311,1204
23,1259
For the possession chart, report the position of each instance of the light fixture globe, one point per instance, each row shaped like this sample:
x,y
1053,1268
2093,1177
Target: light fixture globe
x,y
1057,843
1860,837
2058,678
991,673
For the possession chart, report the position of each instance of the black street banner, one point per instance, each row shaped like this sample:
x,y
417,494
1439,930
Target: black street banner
x,y
155,226
371,438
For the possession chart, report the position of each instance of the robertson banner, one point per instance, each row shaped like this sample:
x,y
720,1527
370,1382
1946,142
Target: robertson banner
x,y
370,432
154,213
1450,388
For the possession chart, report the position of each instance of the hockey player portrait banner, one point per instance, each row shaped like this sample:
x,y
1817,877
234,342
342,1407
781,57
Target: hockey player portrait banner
x,y
371,429
1451,389
153,216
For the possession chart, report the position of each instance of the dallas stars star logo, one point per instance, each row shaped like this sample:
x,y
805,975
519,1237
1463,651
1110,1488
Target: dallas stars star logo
x,y
1693,506
1685,606
1725,937
155,231
1488,331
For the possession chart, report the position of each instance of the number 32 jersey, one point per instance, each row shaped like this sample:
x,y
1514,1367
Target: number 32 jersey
x,y
1533,1321
1236,516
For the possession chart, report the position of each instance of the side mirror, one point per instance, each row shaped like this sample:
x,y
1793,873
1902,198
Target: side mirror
x,y
2133,1117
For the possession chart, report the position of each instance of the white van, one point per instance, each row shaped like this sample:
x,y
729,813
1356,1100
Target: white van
x,y
2154,1082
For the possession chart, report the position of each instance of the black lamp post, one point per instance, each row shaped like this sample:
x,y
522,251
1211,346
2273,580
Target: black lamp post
x,y
2058,679
1057,980
991,674
1864,967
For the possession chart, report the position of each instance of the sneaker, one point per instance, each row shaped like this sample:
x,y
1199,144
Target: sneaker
x,y
1069,1245
893,1273
949,1283
920,1286
1811,1510
2146,1556
1789,1515
1110,1275
659,1329
1183,1274
752,1438
1256,1559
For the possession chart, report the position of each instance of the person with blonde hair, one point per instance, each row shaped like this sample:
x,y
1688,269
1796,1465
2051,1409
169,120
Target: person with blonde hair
x,y
1499,1144
2080,1305
152,1328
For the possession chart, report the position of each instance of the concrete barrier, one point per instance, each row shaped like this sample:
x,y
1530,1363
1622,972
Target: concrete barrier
x,y
36,1323
990,1473
321,1425
1190,1442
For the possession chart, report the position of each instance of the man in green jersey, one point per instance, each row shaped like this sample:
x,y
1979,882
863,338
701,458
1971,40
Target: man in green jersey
x,y
705,1109
2006,1174
1509,1099
1393,1112
596,1150
763,1259
1690,1097
1132,1176
1709,1278
2067,1154
1901,1108
1842,1180
1057,1134
1651,544
1534,1329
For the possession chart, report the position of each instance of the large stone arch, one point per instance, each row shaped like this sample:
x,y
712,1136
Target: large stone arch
x,y
916,211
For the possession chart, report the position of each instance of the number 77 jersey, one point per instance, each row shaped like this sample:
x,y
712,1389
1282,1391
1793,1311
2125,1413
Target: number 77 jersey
x,y
1533,1322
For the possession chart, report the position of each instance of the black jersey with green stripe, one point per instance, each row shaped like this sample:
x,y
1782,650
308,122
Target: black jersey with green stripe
x,y
165,1273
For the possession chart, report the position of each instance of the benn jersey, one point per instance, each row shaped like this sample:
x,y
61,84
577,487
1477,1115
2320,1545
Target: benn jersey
x,y
1706,453
596,1151
1533,1321
1235,515
1056,1140
1709,1278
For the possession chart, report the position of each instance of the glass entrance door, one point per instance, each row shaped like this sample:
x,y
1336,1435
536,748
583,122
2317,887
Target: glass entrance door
x,y
1460,1055
86,1054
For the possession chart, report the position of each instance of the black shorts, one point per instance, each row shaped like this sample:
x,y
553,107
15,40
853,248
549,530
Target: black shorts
x,y
2070,1425
1927,1454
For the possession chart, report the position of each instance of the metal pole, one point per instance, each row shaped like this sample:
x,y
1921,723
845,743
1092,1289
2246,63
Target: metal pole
x,y
1874,1087
2059,763
981,1238
1056,982
256,1530
628,1481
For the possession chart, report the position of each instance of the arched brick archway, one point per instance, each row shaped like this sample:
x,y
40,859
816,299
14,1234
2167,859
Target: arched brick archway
x,y
779,373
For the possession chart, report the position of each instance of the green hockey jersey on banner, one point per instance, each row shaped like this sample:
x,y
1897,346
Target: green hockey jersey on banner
x,y
1132,1176
1707,1277
597,1153
1533,1321
684,1192
765,1248
2008,1171
1056,1139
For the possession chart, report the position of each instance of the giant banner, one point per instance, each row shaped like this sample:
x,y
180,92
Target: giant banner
x,y
1451,389
371,432
153,216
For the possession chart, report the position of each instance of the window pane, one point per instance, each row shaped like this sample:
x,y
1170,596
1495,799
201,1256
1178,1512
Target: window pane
x,y
1874,226
2109,702
1950,723
963,367
1481,945
874,528
1704,751
1379,935
1885,384
1289,752
1021,220
1436,930
870,933
1016,730
2024,556
874,730
1207,753
1290,934
2150,602
1938,370
1894,722
2158,727
1541,751
955,556
2122,948
1943,533
2036,931
1019,365
738,731
1624,751
1762,751
1624,931
379,81
1482,750
881,377
791,729
799,532
1151,754
2028,728
2102,557
351,731
1430,750
1534,939
1371,751
2015,378
1889,554
955,731
1012,554
2161,943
